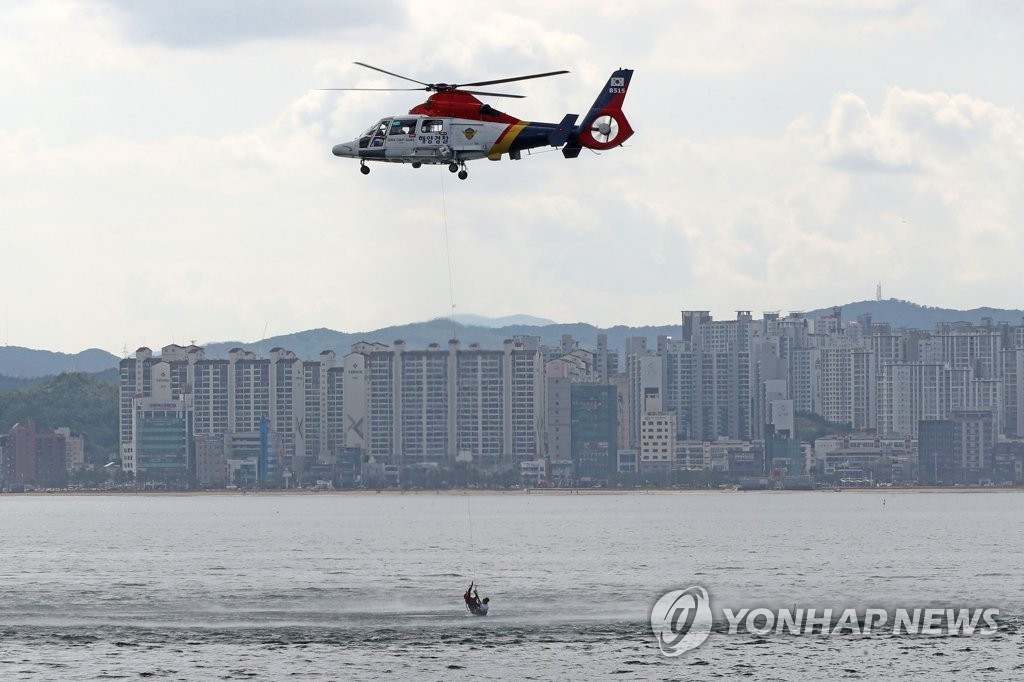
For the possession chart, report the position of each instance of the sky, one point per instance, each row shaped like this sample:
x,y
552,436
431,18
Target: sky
x,y
166,172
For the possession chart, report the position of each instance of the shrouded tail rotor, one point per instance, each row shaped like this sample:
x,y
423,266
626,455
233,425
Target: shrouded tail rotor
x,y
605,129
608,130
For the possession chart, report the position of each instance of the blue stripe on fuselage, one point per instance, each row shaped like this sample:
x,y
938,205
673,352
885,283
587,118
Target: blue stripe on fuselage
x,y
533,135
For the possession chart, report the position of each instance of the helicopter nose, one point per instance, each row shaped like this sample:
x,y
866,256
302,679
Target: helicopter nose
x,y
345,149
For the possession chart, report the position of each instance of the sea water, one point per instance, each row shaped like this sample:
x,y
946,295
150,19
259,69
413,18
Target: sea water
x,y
369,586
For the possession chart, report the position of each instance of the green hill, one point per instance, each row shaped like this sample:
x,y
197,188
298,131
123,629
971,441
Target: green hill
x,y
80,401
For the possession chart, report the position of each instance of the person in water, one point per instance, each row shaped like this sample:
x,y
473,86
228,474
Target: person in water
x,y
474,603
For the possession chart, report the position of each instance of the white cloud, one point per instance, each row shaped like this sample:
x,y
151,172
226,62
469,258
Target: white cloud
x,y
199,23
856,141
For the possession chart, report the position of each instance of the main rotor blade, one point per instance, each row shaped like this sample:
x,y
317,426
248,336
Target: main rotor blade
x,y
405,78
377,89
507,80
491,94
471,92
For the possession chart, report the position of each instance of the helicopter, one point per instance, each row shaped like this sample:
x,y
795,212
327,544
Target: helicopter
x,y
453,126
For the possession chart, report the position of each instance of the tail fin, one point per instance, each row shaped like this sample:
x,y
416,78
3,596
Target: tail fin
x,y
605,126
560,135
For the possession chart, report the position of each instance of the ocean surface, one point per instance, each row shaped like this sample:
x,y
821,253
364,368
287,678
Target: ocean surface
x,y
369,586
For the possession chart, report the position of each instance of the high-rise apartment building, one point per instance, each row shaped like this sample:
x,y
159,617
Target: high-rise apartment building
x,y
958,449
1013,392
910,393
210,404
847,385
711,375
481,406
645,370
558,384
418,407
967,347
594,429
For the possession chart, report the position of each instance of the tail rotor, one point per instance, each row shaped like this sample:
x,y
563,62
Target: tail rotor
x,y
605,129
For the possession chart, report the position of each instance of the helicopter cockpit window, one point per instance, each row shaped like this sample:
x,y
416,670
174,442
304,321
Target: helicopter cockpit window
x,y
432,125
379,133
364,139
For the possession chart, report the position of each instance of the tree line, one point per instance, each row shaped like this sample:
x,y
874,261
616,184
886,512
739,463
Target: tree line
x,y
81,401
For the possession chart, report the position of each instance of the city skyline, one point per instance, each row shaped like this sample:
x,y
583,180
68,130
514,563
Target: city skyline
x,y
719,396
740,381
787,156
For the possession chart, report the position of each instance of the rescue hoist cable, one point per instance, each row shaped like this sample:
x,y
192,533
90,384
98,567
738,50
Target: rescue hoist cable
x,y
448,255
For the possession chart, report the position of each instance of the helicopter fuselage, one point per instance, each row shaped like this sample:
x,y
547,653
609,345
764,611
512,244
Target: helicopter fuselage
x,y
450,127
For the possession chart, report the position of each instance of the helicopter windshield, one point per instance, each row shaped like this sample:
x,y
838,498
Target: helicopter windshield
x,y
380,127
375,134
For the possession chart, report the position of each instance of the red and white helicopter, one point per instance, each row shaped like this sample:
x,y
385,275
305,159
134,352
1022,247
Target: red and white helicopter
x,y
453,127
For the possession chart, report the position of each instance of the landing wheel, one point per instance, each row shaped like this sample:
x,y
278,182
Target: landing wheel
x,y
463,175
452,167
416,164
364,169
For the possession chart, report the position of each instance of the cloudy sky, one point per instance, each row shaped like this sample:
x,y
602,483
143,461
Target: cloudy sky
x,y
166,175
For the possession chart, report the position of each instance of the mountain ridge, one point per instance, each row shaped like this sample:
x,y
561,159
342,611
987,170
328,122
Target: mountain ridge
x,y
20,364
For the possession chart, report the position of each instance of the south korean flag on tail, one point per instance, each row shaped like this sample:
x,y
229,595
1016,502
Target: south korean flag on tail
x,y
617,82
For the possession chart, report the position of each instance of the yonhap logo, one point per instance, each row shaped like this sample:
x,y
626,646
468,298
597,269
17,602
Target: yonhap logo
x,y
681,620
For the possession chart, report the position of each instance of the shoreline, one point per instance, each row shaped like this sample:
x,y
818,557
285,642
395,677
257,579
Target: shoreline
x,y
478,492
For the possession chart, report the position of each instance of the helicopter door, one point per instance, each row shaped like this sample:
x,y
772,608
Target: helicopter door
x,y
432,132
401,137
434,135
